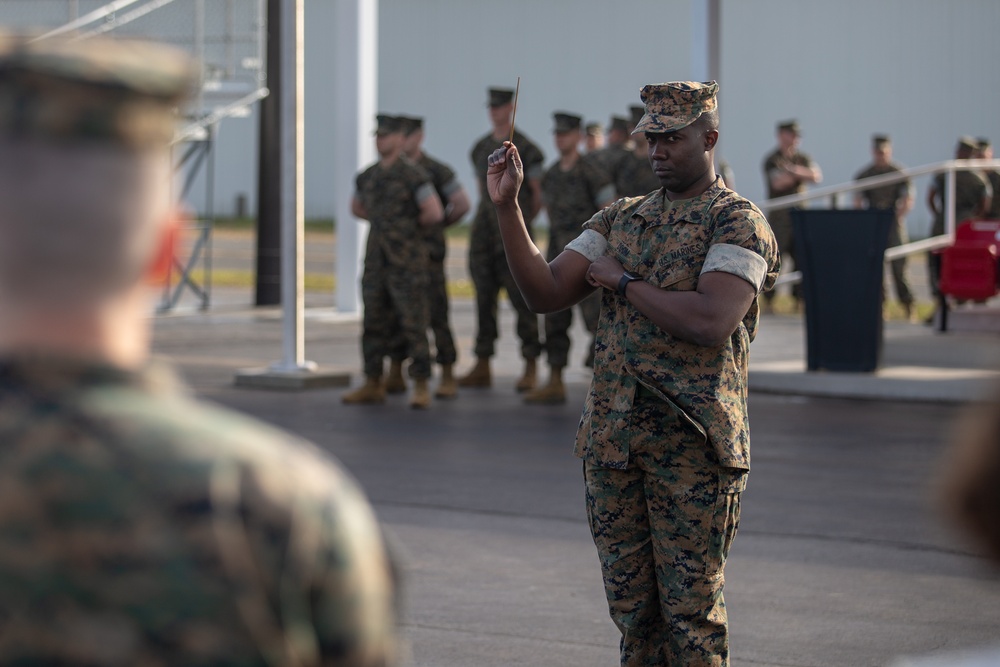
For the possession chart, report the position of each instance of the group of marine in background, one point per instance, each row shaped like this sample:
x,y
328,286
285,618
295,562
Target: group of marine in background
x,y
408,194
787,171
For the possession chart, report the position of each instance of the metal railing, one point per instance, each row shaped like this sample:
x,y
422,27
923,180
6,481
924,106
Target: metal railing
x,y
948,167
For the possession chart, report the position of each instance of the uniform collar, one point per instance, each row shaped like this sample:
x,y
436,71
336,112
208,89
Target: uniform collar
x,y
657,209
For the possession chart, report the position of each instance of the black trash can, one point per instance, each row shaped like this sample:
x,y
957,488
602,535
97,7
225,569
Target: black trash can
x,y
840,254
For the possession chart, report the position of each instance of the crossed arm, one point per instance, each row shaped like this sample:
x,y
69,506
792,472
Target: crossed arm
x,y
707,315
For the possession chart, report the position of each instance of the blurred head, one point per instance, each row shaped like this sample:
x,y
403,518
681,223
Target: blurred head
x,y
85,172
594,137
501,106
966,148
567,132
788,135
971,491
413,134
881,150
388,135
984,148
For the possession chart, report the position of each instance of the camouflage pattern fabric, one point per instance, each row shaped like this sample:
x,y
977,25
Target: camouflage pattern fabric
x,y
571,196
666,243
443,178
487,259
663,529
116,91
673,106
138,527
890,197
664,433
394,281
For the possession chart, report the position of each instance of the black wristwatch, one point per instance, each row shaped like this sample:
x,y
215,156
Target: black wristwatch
x,y
627,277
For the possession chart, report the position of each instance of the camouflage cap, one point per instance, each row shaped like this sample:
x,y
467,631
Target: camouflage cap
x,y
411,124
92,90
789,126
594,129
967,143
983,142
386,124
566,122
675,105
618,123
500,96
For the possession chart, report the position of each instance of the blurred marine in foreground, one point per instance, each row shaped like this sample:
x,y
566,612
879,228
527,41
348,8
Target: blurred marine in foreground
x,y
137,526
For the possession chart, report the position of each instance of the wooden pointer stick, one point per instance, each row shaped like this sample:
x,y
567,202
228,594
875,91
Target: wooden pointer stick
x,y
514,114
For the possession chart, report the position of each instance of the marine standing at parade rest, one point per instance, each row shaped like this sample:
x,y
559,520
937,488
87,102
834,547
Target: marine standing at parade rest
x,y
664,434
984,151
456,203
787,171
487,262
573,189
973,198
895,197
139,526
398,198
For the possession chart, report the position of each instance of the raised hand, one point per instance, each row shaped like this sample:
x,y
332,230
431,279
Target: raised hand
x,y
504,174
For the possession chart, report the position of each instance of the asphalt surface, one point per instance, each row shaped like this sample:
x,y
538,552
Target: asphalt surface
x,y
842,558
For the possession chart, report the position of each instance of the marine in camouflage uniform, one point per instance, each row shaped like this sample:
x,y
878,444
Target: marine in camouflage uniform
x,y
664,433
487,261
138,526
456,203
397,197
573,188
634,177
786,172
617,149
895,197
972,199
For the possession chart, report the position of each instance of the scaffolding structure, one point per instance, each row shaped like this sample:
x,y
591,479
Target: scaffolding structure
x,y
227,37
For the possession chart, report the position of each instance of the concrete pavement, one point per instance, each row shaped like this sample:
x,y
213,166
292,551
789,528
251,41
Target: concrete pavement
x,y
841,560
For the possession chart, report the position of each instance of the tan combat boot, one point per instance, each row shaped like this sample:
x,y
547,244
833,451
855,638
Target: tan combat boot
x,y
527,381
551,394
421,397
447,388
394,383
371,391
479,376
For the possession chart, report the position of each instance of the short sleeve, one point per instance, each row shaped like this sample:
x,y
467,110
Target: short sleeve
x,y
742,233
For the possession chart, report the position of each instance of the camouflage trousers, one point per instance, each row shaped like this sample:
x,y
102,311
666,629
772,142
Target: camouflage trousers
x,y
490,273
557,342
437,301
395,301
663,528
898,236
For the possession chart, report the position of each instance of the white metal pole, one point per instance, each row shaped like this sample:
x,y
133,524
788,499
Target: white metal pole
x,y
292,201
356,90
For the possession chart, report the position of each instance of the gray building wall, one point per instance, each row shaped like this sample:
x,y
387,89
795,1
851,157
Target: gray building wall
x,y
921,70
